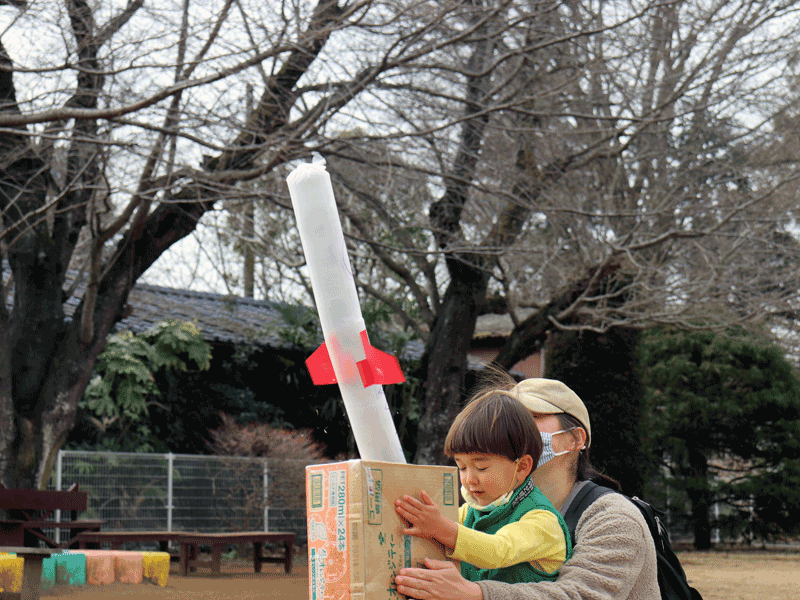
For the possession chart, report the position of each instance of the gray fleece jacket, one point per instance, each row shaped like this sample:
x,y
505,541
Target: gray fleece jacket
x,y
614,559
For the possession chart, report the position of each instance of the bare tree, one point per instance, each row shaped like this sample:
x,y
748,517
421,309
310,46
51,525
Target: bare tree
x,y
610,170
120,127
604,164
593,160
677,205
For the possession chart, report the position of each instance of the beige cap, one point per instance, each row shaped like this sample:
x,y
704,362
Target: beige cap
x,y
548,396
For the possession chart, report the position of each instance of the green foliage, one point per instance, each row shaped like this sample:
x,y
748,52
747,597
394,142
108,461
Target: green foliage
x,y
117,398
300,326
235,384
175,344
725,421
726,393
775,499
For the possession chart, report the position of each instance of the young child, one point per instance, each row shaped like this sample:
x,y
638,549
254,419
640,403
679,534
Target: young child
x,y
507,530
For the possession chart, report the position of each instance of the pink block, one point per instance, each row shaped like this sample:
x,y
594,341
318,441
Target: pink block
x,y
129,566
100,566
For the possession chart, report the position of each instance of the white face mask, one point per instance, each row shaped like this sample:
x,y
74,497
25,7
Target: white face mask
x,y
547,446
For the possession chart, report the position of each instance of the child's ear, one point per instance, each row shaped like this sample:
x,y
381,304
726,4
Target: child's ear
x,y
525,466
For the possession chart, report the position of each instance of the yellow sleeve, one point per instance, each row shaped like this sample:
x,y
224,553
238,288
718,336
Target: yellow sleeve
x,y
536,538
462,513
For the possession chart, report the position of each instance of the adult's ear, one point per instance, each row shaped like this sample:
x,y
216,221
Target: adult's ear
x,y
579,435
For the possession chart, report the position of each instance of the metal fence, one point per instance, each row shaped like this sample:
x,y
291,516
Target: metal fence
x,y
180,492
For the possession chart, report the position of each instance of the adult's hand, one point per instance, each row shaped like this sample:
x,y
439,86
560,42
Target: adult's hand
x,y
440,581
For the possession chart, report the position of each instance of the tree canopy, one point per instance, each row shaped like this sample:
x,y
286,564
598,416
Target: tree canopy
x,y
527,149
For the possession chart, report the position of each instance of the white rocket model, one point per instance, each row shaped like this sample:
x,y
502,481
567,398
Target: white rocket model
x,y
346,357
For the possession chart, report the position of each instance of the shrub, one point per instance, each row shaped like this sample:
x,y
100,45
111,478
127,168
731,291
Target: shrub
x,y
288,451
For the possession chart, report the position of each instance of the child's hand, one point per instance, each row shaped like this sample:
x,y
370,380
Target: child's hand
x,y
423,515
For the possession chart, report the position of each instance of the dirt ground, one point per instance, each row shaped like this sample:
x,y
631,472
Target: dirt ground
x,y
743,575
716,575
237,581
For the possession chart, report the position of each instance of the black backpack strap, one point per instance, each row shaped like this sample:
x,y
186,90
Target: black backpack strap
x,y
651,515
671,577
583,499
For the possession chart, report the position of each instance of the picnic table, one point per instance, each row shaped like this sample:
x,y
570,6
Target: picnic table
x,y
191,541
29,509
32,571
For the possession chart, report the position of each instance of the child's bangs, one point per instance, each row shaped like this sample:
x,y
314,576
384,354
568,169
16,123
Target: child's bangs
x,y
469,437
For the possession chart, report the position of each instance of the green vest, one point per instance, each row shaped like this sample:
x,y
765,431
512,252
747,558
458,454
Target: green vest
x,y
527,497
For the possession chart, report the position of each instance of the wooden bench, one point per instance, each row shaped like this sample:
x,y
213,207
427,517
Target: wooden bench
x,y
31,572
115,539
190,541
29,509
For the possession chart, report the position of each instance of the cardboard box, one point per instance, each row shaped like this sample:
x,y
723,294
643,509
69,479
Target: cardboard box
x,y
355,540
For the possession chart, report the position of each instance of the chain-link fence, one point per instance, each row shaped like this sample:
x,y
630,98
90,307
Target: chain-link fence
x,y
179,492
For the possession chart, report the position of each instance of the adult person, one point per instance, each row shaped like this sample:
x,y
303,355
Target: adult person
x,y
614,556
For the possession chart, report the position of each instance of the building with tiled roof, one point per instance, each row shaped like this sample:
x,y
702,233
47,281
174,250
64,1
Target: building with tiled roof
x,y
224,319
491,333
220,318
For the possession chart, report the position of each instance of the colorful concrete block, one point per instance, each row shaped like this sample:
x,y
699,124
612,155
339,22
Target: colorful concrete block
x,y
11,567
156,567
70,568
48,573
100,566
128,567
96,567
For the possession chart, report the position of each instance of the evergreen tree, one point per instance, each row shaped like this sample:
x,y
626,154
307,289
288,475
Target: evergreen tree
x,y
601,369
724,419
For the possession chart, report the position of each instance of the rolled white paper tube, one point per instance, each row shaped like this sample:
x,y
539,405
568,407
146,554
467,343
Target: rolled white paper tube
x,y
339,310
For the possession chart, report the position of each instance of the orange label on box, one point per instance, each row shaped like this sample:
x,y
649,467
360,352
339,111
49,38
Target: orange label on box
x,y
328,509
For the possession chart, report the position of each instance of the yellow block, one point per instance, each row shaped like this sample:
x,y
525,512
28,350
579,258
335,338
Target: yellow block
x,y
11,573
156,567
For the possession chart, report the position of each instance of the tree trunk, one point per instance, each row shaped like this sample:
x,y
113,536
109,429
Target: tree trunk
x,y
700,497
445,362
7,426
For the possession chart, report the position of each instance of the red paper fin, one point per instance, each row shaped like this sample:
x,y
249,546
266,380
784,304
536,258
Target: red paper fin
x,y
378,367
320,366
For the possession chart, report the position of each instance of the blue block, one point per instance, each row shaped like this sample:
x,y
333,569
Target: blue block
x,y
48,573
70,568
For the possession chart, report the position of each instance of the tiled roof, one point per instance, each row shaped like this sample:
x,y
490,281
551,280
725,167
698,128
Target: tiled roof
x,y
498,326
221,318
228,318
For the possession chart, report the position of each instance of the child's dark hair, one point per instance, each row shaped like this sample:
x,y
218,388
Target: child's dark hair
x,y
495,423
